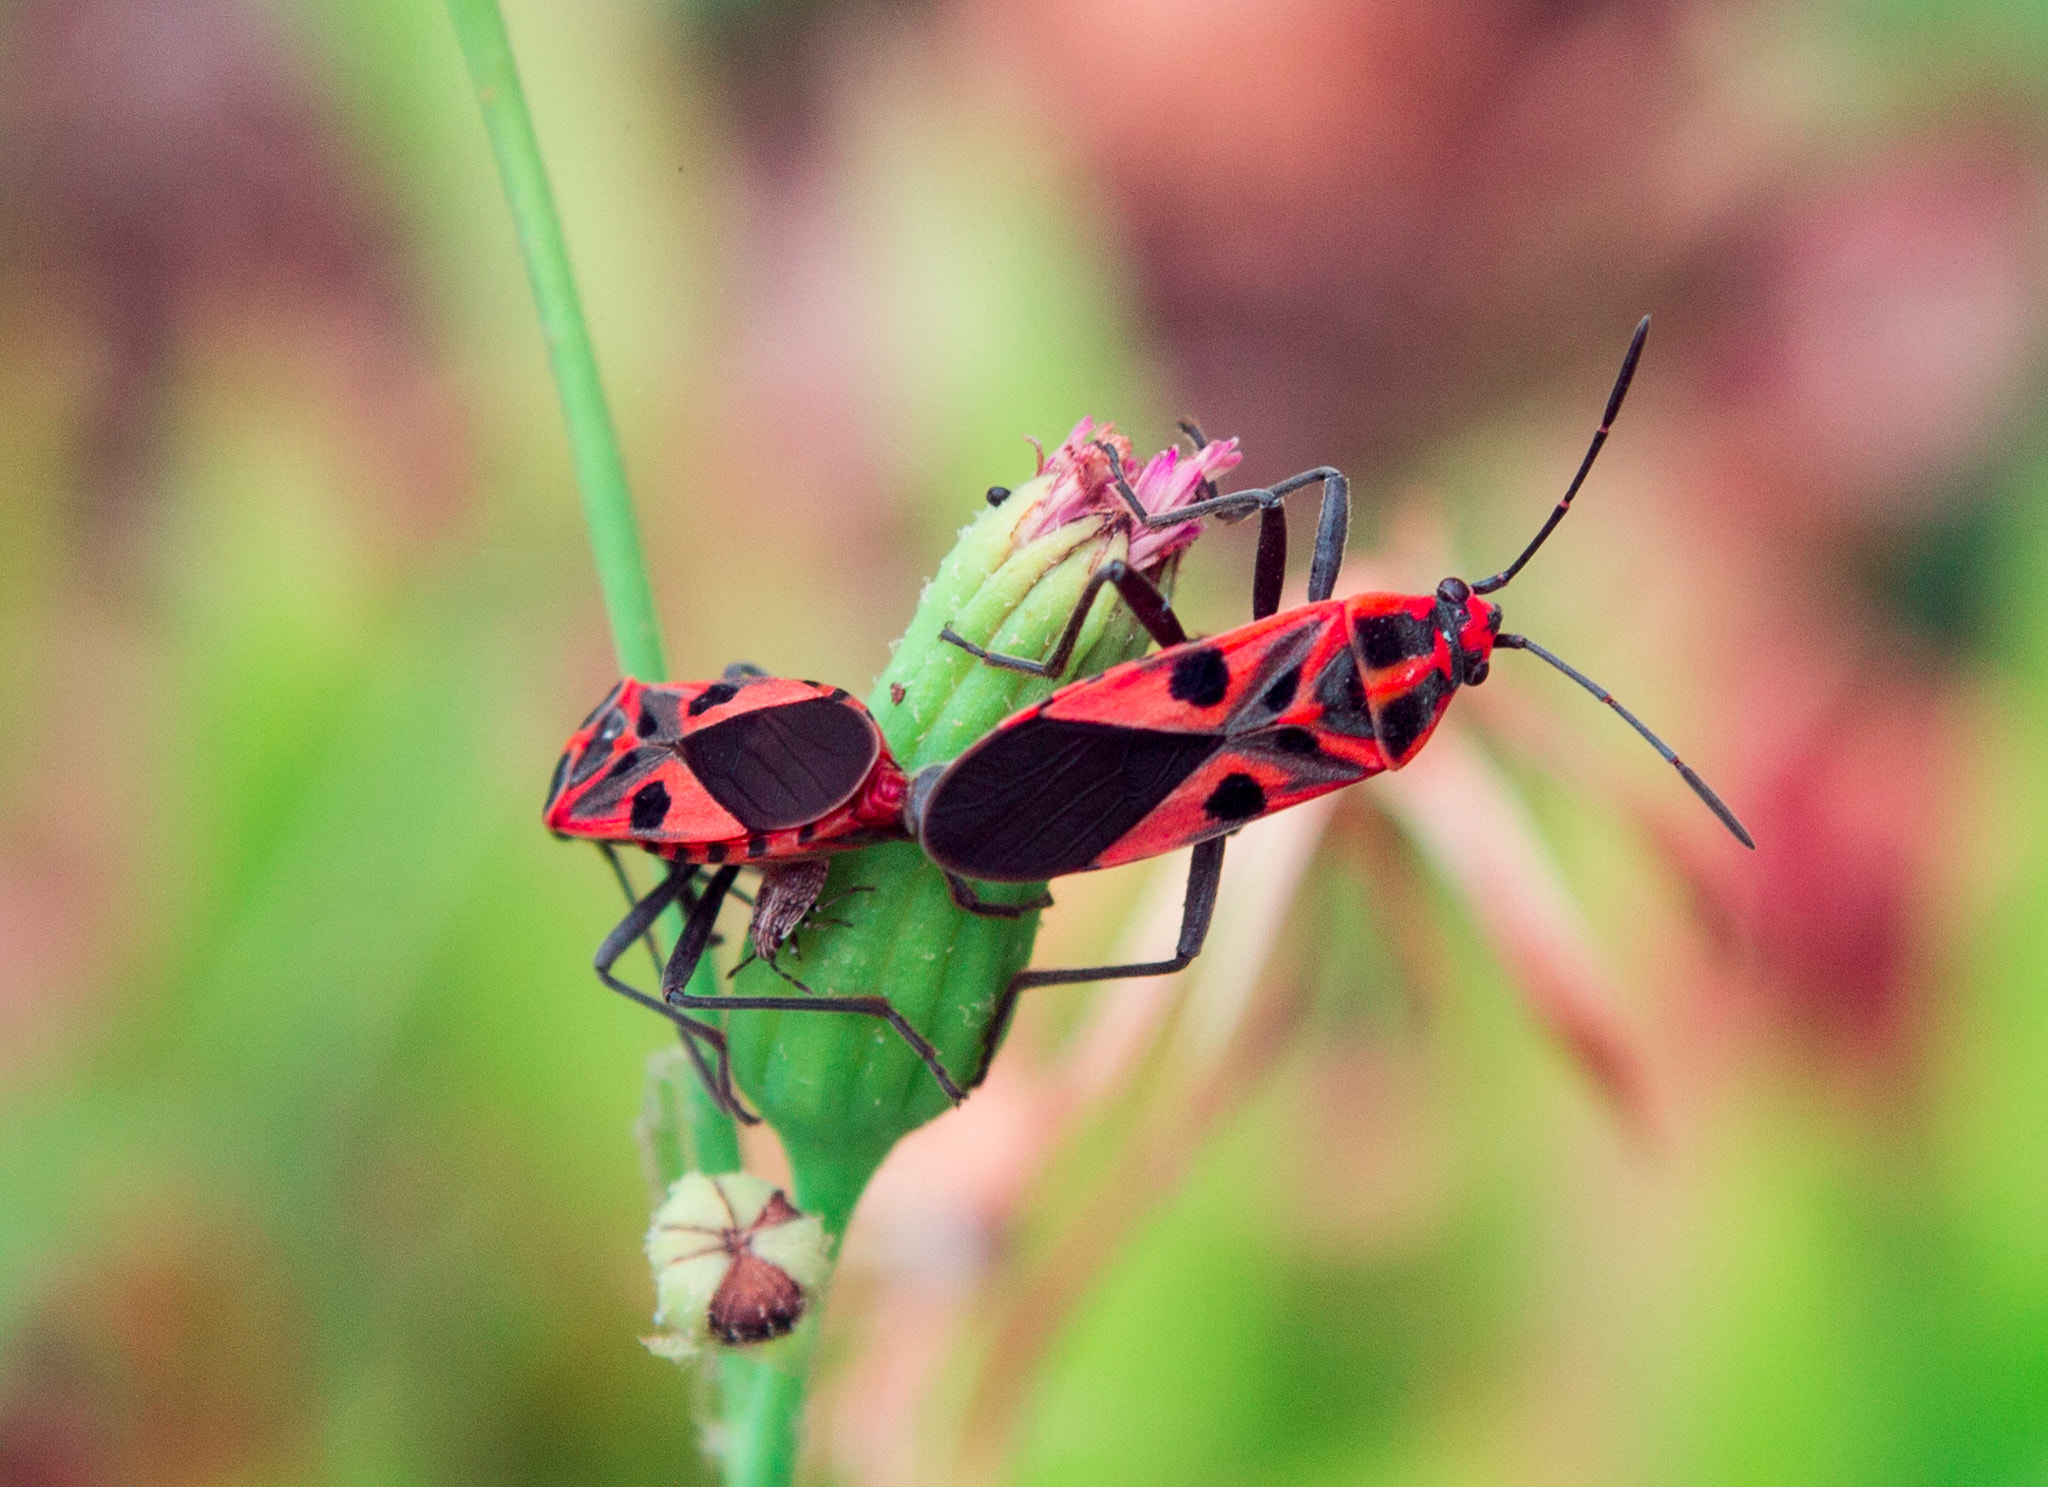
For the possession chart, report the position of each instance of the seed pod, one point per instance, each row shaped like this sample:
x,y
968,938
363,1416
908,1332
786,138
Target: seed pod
x,y
733,1262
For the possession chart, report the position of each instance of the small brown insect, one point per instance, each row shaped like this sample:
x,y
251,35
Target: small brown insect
x,y
897,692
787,893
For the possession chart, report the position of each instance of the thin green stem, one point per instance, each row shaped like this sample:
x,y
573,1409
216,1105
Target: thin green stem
x,y
593,442
594,446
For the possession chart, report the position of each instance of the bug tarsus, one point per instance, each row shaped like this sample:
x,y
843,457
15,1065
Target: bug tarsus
x,y
1332,525
1200,441
966,899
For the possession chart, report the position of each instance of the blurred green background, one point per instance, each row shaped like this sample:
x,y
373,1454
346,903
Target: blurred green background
x,y
315,1154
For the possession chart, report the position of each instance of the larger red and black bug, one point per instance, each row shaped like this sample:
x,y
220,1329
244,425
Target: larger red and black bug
x,y
1185,746
750,771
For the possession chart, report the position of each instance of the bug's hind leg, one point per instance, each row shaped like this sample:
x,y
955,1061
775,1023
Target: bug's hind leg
x,y
638,926
1205,871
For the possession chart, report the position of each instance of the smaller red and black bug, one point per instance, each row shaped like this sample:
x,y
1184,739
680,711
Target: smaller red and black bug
x,y
1185,746
749,771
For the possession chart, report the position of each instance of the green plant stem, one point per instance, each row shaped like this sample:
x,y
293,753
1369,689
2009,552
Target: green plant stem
x,y
600,476
593,442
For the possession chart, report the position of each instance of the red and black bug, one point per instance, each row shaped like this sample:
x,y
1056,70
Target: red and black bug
x,y
749,771
1185,746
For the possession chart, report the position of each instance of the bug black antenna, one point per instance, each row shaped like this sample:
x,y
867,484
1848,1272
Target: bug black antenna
x,y
1621,382
1699,786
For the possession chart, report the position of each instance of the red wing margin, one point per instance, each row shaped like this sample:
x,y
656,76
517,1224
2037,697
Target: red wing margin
x,y
779,767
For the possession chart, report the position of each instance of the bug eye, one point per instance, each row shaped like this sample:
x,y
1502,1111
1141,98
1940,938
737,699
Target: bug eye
x,y
1478,673
1454,591
997,494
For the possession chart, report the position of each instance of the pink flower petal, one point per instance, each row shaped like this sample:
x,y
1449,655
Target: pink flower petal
x,y
1083,484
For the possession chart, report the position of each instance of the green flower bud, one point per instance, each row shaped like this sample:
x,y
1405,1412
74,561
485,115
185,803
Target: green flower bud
x,y
733,1263
840,1091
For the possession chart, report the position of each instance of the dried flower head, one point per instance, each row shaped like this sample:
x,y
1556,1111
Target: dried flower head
x,y
733,1261
1082,482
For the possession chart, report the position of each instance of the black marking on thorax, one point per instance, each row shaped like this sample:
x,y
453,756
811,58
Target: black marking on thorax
x,y
660,715
712,696
1406,716
1386,640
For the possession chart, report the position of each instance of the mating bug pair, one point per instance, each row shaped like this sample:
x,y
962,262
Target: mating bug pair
x,y
1176,749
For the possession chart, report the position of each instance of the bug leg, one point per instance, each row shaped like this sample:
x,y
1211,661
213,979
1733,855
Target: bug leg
x,y
1200,441
611,856
858,1006
1138,591
637,925
965,898
1332,524
1204,873
682,961
842,897
654,953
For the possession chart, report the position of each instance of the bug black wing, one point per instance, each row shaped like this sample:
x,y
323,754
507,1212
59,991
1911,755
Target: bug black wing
x,y
779,767
1047,796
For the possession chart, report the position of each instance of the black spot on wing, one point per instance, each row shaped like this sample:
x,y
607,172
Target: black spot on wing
x,y
1280,693
1200,678
1049,795
1389,639
712,696
778,767
1292,740
1238,798
555,785
650,806
1405,717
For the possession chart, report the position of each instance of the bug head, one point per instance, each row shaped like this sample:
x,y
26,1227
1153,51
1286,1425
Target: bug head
x,y
590,748
1468,623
